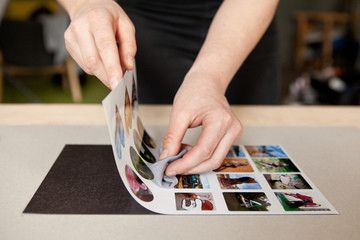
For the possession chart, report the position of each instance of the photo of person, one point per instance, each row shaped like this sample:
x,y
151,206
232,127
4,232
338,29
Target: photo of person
x,y
134,96
246,201
192,181
299,202
235,152
238,181
194,201
235,165
275,165
145,153
137,186
140,166
128,111
266,151
146,138
286,181
119,133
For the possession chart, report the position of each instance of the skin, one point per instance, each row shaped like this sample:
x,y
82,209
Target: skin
x,y
98,27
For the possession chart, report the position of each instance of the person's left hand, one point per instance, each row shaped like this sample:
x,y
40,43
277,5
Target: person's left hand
x,y
200,101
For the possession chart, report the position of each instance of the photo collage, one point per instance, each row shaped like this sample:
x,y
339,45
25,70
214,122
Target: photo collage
x,y
253,179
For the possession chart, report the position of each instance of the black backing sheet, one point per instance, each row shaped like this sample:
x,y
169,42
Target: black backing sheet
x,y
84,180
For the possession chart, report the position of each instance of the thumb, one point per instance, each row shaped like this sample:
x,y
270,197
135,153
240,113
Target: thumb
x,y
174,134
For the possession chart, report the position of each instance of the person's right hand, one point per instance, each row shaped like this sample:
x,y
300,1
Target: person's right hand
x,y
101,39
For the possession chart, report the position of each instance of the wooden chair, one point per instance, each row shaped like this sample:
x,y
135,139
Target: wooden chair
x,y
68,71
24,54
1,78
305,22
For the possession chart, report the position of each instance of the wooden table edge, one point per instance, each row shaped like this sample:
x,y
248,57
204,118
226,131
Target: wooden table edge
x,y
258,115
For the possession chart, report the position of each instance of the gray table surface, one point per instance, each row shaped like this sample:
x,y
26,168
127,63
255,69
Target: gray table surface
x,y
329,156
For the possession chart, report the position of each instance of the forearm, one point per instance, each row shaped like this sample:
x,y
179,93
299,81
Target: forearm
x,y
68,5
236,29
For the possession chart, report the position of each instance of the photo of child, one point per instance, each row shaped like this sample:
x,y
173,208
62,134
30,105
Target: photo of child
x,y
286,181
140,166
146,138
134,96
299,202
235,152
142,148
266,151
235,165
128,111
275,165
192,181
238,181
246,201
194,201
119,133
137,186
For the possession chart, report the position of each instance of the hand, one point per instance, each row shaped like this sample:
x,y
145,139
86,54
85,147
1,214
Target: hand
x,y
200,101
97,28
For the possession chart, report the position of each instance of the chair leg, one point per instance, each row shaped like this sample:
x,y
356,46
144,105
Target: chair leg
x,y
1,85
1,78
74,80
65,81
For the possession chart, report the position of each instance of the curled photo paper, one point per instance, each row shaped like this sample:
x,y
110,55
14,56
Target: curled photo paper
x,y
251,180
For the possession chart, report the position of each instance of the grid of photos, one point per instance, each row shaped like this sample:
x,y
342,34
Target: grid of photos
x,y
237,174
261,179
286,181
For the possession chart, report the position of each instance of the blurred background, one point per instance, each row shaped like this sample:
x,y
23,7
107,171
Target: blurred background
x,y
318,39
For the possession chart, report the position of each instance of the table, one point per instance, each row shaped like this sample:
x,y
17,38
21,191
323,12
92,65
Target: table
x,y
91,114
20,178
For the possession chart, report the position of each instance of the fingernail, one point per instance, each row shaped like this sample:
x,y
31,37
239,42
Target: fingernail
x,y
131,61
164,154
171,173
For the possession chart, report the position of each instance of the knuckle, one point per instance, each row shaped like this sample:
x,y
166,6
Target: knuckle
x,y
228,118
68,48
238,127
205,153
176,107
91,64
216,164
131,27
67,35
169,138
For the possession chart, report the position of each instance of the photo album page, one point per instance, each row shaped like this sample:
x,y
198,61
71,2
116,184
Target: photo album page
x,y
251,180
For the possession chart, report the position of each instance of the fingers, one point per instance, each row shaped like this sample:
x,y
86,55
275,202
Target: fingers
x,y
175,133
91,40
126,37
220,153
214,128
74,50
105,41
85,54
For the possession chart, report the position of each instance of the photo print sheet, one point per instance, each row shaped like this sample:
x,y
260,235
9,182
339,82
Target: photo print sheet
x,y
251,180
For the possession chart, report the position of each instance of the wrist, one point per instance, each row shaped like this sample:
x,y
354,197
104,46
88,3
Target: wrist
x,y
206,79
72,7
